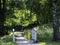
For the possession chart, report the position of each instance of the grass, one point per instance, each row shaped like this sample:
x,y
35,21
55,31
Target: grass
x,y
6,40
49,43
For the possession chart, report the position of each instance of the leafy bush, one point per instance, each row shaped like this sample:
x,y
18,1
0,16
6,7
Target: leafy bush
x,y
27,34
6,40
44,34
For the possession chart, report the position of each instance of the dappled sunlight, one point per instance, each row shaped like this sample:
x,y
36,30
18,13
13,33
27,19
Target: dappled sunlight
x,y
36,20
43,2
42,43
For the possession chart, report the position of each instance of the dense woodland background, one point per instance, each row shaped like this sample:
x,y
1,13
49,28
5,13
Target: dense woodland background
x,y
22,14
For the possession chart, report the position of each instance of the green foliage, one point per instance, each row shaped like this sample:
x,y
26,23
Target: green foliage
x,y
41,10
20,17
16,16
25,12
50,43
44,33
27,34
6,40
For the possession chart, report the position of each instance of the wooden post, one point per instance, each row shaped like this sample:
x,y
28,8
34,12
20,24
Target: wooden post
x,y
13,35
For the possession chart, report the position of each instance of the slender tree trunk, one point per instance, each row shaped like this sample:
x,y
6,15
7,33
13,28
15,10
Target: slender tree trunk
x,y
55,21
0,4
2,17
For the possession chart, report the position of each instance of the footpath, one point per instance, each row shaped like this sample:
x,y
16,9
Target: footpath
x,y
20,40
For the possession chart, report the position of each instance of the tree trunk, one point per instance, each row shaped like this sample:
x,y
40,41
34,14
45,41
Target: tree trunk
x,y
2,17
55,21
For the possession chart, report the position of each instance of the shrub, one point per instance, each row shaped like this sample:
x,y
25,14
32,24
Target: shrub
x,y
6,40
44,34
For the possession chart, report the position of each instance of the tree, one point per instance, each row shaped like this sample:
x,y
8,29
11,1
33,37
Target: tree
x,y
2,16
55,20
18,14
